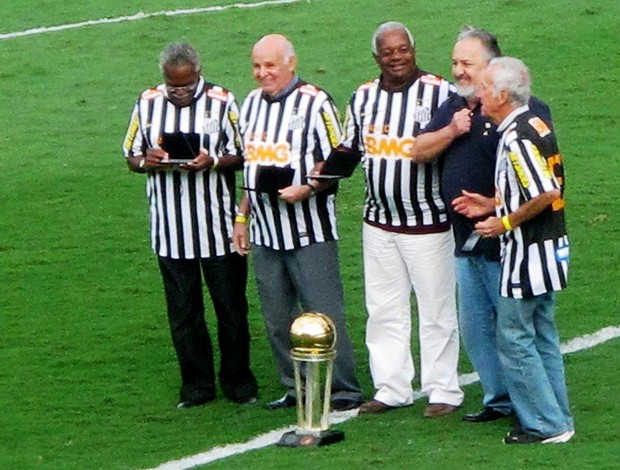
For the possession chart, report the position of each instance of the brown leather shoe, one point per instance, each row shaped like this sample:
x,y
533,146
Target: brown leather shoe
x,y
373,407
435,410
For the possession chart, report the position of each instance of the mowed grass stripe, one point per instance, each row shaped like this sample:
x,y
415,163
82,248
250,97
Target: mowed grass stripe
x,y
143,16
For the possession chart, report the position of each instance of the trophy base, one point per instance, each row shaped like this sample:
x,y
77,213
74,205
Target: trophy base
x,y
292,439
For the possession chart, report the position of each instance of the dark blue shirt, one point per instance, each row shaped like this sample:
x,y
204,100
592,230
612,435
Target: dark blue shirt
x,y
469,164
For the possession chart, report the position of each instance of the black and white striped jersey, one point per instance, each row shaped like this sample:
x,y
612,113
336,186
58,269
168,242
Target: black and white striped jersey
x,y
191,212
534,254
294,131
401,196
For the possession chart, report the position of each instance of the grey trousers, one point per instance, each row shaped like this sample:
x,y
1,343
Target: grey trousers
x,y
291,282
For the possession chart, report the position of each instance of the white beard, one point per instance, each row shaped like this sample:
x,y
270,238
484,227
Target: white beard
x,y
465,91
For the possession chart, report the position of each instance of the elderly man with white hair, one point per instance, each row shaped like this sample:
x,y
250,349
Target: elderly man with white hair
x,y
528,214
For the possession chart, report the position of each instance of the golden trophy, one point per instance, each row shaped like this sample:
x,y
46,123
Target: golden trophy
x,y
313,337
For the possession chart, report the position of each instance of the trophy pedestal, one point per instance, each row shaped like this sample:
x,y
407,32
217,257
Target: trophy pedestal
x,y
292,439
313,336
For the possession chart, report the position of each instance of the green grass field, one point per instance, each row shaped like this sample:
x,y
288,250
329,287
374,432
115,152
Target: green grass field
x,y
88,376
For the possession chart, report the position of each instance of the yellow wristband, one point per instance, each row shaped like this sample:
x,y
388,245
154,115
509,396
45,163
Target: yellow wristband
x,y
506,223
216,161
241,218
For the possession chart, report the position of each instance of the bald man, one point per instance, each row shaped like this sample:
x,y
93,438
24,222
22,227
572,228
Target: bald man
x,y
289,126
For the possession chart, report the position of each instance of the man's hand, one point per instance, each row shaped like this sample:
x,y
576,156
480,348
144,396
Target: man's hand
x,y
296,193
429,145
202,162
240,238
154,158
490,228
318,168
473,205
461,122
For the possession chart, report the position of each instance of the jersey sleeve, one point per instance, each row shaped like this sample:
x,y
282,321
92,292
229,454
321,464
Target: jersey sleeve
x,y
351,134
531,168
230,127
328,131
132,143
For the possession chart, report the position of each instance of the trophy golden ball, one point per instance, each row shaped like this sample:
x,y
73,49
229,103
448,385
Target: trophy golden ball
x,y
313,332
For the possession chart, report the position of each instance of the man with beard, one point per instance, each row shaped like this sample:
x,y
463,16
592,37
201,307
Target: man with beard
x,y
465,142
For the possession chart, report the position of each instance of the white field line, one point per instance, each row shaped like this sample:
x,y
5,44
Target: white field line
x,y
217,453
141,16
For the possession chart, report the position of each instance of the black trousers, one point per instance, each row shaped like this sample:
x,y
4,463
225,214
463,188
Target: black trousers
x,y
226,278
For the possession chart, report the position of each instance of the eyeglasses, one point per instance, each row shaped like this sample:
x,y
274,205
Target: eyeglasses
x,y
182,89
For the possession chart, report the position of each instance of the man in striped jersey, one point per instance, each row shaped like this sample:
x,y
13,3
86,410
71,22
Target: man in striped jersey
x,y
466,142
407,241
529,218
288,126
192,204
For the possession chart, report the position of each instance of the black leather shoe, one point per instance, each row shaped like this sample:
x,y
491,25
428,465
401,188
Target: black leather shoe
x,y
287,401
344,404
245,394
246,400
242,390
487,414
194,403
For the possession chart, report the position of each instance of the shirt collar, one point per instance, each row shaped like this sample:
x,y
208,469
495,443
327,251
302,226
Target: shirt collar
x,y
511,117
417,75
284,91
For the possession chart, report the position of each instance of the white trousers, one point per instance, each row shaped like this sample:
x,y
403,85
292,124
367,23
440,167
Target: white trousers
x,y
394,263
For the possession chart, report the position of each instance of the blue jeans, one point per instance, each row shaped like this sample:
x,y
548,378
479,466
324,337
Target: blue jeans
x,y
478,293
533,365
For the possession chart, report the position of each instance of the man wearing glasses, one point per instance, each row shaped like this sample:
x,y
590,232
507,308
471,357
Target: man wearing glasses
x,y
183,135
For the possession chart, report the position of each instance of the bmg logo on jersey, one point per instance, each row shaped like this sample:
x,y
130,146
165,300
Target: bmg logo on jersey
x,y
386,146
268,152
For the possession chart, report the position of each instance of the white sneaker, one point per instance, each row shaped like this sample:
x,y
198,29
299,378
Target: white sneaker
x,y
560,438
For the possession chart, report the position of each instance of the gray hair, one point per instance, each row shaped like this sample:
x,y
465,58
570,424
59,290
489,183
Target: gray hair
x,y
179,54
487,39
512,76
387,27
